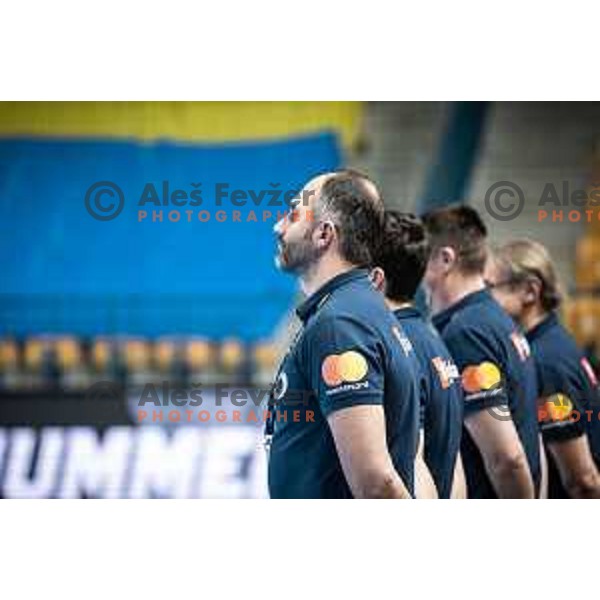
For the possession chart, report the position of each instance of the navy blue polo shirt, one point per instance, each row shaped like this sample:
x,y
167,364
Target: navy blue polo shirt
x,y
569,392
497,369
351,351
441,397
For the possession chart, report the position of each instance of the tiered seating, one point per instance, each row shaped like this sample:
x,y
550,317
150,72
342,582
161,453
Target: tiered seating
x,y
67,362
587,265
582,317
186,358
232,360
9,362
582,311
266,357
40,362
201,357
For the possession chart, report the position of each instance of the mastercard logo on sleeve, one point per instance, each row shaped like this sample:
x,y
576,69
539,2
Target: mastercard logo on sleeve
x,y
478,378
348,367
557,407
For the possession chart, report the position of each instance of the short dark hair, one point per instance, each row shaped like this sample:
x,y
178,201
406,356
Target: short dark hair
x,y
461,228
357,208
402,253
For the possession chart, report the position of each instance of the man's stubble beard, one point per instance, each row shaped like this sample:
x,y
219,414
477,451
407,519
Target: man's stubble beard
x,y
298,257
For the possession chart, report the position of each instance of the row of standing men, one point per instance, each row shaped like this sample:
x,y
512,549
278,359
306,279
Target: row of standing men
x,y
491,398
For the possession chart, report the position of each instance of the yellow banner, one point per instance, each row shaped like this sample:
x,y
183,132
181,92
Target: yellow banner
x,y
209,122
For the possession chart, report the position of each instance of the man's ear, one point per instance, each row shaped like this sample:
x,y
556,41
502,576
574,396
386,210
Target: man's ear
x,y
377,277
533,291
324,234
447,258
490,268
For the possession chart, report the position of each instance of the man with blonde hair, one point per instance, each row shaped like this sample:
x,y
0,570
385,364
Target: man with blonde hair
x,y
524,281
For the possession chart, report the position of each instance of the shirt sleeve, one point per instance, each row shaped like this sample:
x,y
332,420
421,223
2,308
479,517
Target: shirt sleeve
x,y
482,379
346,364
559,411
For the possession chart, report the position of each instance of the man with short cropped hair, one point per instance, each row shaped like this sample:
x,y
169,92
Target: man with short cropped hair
x,y
356,431
500,445
401,260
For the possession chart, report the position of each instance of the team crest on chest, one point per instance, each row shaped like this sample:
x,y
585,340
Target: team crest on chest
x,y
405,343
280,386
446,370
589,371
521,345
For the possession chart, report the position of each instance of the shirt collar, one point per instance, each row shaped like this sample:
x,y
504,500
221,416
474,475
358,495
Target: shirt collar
x,y
408,312
314,302
442,319
550,321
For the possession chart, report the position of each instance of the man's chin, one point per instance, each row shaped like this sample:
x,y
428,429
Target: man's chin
x,y
282,264
285,266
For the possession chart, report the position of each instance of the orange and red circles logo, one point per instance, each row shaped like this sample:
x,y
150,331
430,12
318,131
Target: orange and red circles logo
x,y
478,378
348,367
557,407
